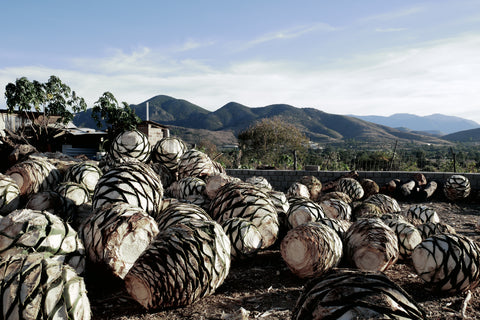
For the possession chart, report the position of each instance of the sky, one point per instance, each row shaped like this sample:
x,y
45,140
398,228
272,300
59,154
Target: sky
x,y
368,57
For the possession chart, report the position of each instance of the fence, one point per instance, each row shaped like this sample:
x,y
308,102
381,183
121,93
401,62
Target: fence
x,y
281,180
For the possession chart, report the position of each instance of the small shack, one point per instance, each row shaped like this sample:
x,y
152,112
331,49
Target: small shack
x,y
82,141
153,130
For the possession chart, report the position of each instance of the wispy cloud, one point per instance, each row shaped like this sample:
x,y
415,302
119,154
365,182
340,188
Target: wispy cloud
x,y
192,44
290,33
436,77
390,29
392,15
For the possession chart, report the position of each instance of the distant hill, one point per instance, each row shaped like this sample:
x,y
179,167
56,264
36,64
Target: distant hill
x,y
234,117
472,135
438,124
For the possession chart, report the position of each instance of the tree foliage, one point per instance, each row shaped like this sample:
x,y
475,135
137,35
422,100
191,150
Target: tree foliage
x,y
42,105
272,142
107,112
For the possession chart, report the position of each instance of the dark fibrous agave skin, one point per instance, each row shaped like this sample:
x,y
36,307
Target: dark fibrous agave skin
x,y
187,261
371,245
351,187
34,174
116,234
131,144
37,287
336,209
340,226
298,189
355,294
25,230
9,194
86,174
239,199
195,163
429,229
131,182
311,249
303,210
168,151
245,238
408,235
52,202
185,187
73,191
370,187
457,187
422,213
448,263
180,213
386,203
336,195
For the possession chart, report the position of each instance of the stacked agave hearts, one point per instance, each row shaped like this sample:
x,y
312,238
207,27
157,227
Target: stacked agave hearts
x,y
168,222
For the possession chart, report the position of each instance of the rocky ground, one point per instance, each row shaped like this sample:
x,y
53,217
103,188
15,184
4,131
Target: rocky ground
x,y
264,288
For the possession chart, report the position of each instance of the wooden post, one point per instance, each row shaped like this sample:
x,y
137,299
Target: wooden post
x,y
295,160
393,156
454,160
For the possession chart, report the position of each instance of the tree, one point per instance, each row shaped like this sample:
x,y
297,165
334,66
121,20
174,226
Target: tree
x,y
43,105
107,112
272,141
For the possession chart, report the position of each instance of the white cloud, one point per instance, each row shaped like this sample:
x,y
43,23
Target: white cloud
x,y
438,77
191,44
390,29
290,33
392,15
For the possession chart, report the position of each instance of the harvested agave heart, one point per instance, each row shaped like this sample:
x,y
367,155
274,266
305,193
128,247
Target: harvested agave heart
x,y
131,144
34,175
457,187
9,194
189,259
86,174
371,245
116,234
32,231
355,294
168,152
448,263
132,182
311,249
351,187
303,210
245,238
249,202
386,203
36,287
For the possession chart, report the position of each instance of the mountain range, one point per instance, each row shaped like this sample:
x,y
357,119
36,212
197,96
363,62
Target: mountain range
x,y
319,126
437,124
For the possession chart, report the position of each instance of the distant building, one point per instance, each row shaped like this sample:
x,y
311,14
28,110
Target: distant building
x,y
82,141
228,147
10,121
14,120
153,130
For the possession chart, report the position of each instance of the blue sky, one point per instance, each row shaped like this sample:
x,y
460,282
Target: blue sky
x,y
344,57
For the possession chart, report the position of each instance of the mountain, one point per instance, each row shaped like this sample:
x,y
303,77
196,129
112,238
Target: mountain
x,y
234,117
472,135
438,124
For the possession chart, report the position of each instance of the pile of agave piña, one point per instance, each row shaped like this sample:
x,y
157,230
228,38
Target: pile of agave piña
x,y
168,221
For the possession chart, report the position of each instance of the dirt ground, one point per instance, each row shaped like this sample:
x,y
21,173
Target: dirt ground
x,y
264,288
